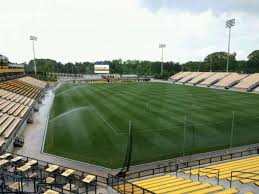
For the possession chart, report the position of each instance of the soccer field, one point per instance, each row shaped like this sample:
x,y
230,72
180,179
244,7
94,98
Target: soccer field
x,y
89,122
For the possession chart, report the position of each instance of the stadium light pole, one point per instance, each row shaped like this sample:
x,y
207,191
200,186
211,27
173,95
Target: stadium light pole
x,y
34,38
162,46
229,25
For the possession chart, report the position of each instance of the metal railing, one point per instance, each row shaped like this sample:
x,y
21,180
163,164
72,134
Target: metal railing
x,y
212,171
123,186
39,182
240,175
175,167
78,174
25,184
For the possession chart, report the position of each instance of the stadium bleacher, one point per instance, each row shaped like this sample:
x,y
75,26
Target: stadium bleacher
x,y
200,78
219,79
180,75
189,77
243,170
173,76
175,185
230,80
248,83
214,78
17,97
25,86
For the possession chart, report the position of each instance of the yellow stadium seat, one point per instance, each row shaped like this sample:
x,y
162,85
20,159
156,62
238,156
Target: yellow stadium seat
x,y
166,183
209,190
182,186
228,191
153,179
191,189
163,186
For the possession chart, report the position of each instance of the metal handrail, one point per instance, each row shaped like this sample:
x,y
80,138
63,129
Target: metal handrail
x,y
177,166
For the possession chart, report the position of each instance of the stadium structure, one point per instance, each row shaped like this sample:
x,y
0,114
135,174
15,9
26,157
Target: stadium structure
x,y
195,133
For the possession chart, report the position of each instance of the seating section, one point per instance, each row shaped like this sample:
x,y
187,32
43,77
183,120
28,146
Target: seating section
x,y
16,98
25,86
200,78
189,77
243,170
249,82
175,185
230,80
214,78
181,75
35,173
172,77
219,79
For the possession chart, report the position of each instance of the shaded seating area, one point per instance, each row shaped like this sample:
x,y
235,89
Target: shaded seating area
x,y
25,86
17,99
7,125
23,174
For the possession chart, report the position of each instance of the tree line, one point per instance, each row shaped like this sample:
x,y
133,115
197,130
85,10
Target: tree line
x,y
215,62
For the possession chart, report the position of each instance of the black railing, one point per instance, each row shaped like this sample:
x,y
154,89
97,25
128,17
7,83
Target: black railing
x,y
123,186
5,176
240,175
208,171
175,167
40,183
78,174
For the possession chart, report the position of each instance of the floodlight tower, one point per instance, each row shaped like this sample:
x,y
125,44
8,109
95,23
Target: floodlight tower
x,y
162,46
229,24
34,38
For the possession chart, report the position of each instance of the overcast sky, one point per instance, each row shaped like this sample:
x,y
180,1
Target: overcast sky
x,y
90,30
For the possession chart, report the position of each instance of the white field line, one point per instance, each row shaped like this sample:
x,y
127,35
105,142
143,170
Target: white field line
x,y
101,117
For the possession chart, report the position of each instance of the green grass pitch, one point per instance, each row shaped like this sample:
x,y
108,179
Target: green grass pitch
x,y
89,122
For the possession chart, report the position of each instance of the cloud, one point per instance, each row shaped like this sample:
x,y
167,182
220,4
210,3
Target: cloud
x,y
218,7
91,30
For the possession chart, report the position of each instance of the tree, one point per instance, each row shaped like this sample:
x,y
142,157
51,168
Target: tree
x,y
217,62
192,66
253,62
